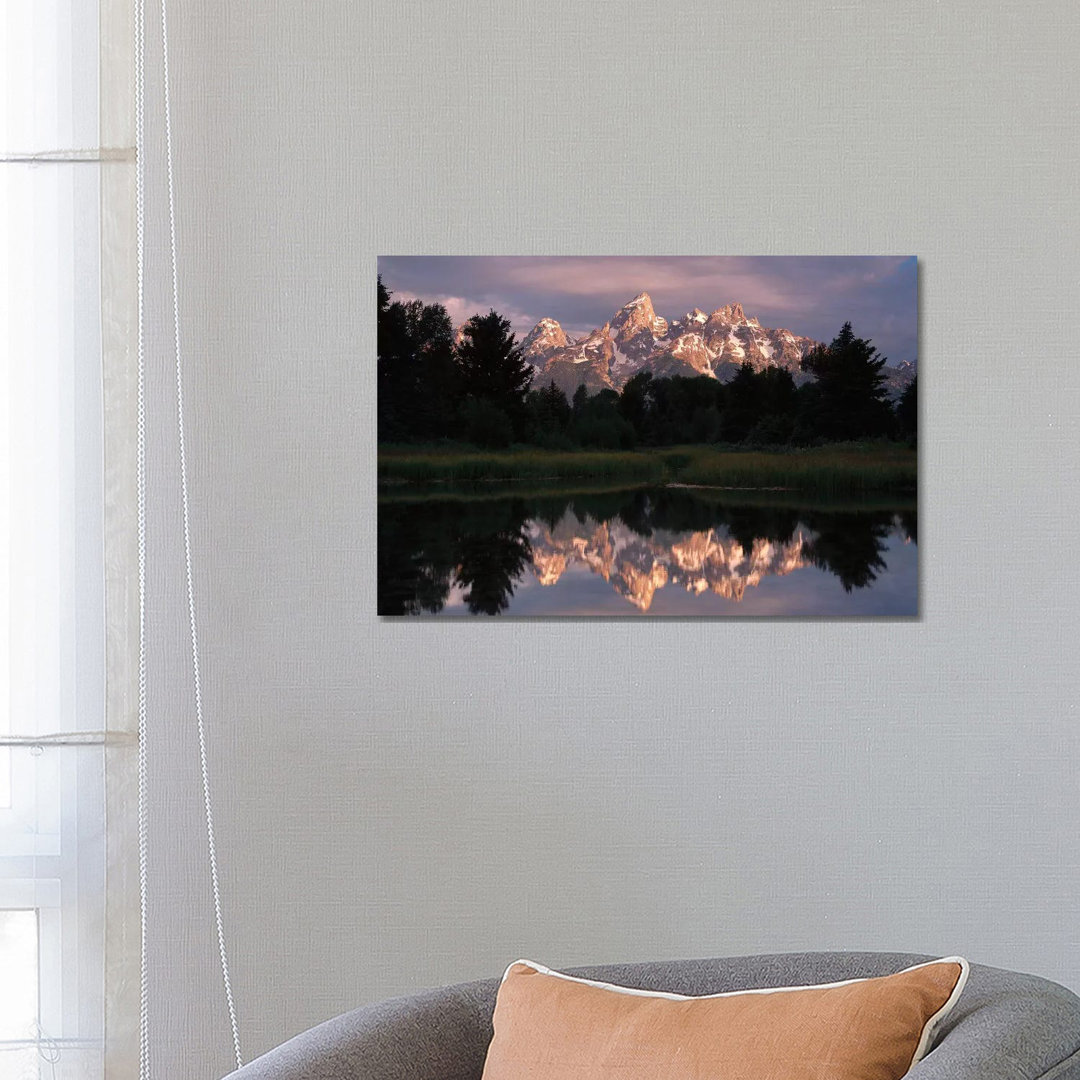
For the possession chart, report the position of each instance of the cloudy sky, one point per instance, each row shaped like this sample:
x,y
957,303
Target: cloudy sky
x,y
810,295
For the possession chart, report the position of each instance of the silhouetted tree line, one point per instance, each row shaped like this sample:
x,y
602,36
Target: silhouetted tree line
x,y
480,390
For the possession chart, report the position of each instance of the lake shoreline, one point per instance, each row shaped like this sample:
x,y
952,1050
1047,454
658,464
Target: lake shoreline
x,y
839,468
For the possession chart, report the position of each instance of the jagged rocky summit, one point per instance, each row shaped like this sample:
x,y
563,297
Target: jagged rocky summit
x,y
637,339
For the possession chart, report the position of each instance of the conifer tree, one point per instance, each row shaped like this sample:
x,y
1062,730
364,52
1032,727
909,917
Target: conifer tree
x,y
850,399
907,411
417,373
492,366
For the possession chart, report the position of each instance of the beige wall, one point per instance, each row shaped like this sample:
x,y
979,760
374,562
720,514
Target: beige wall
x,y
405,805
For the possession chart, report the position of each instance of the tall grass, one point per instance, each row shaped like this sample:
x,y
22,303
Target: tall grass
x,y
842,469
483,467
832,470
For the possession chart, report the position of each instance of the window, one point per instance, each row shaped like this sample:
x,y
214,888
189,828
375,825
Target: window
x,y
52,851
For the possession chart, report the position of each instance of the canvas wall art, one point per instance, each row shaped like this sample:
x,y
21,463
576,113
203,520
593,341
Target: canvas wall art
x,y
647,436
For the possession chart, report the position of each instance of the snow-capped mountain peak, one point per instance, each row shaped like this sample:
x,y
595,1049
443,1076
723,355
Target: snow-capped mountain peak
x,y
637,339
730,315
542,340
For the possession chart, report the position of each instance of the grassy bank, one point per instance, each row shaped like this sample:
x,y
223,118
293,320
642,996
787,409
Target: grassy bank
x,y
832,469
479,466
847,468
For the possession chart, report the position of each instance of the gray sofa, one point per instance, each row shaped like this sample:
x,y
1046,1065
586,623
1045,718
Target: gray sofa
x,y
1005,1026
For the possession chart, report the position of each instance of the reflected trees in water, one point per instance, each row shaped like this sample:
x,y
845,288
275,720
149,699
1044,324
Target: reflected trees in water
x,y
482,548
851,546
426,549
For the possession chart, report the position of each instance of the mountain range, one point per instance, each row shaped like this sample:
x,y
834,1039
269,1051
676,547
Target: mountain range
x,y
637,567
636,339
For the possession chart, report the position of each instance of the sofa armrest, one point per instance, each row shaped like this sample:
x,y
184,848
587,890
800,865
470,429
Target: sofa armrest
x,y
441,1034
1007,1026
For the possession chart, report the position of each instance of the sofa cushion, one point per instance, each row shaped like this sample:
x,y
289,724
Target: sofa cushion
x,y
552,1026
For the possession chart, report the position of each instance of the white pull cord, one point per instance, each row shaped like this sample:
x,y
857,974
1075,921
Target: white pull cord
x,y
210,846
140,455
140,94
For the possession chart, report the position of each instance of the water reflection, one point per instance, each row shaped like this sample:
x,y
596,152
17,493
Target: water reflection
x,y
624,552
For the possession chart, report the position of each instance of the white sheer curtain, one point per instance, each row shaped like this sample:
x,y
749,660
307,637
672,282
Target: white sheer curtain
x,y
60,246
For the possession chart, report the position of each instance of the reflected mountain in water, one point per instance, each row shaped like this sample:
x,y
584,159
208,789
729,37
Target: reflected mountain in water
x,y
636,567
495,556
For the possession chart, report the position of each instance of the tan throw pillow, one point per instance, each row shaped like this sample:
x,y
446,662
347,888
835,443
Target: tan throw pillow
x,y
550,1026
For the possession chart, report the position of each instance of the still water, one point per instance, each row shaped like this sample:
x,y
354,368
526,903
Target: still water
x,y
663,551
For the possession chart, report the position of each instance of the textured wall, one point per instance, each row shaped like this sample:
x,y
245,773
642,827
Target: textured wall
x,y
401,805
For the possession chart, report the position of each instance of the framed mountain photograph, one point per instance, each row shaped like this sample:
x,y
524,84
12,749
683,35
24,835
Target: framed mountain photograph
x,y
657,436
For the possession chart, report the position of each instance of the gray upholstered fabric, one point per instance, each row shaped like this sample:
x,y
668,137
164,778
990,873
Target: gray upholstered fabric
x,y
1006,1026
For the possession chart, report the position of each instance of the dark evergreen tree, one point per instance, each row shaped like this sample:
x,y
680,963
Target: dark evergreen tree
x,y
636,405
672,409
392,346
778,403
556,407
743,401
483,423
418,383
850,400
492,367
434,373
907,412
598,423
549,417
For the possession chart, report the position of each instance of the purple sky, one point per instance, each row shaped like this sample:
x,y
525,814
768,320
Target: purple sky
x,y
810,295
